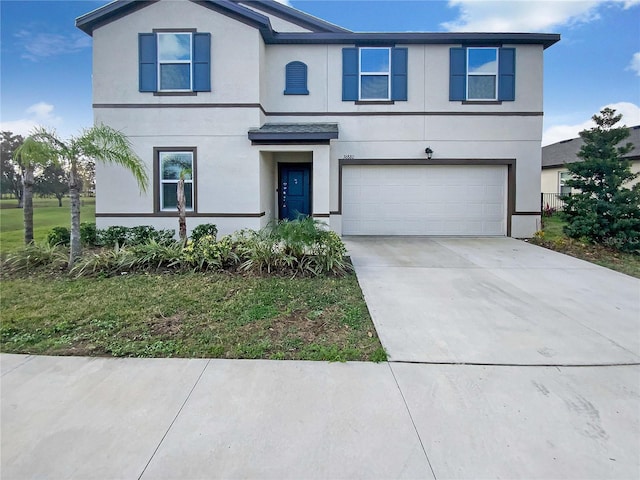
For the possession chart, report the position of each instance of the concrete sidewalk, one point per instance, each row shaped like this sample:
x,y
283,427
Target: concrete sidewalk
x,y
70,417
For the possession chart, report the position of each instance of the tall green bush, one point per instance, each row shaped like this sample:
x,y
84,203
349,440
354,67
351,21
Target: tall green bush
x,y
605,210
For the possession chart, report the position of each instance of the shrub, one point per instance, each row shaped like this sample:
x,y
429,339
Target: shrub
x,y
88,234
205,229
208,253
155,254
548,211
59,236
36,255
145,233
297,246
109,261
118,235
112,236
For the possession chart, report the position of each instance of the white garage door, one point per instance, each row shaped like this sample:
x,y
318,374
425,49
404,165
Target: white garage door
x,y
424,200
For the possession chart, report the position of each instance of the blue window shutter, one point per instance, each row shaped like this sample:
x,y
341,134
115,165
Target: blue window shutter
x,y
296,79
147,58
507,74
457,74
399,73
201,62
349,74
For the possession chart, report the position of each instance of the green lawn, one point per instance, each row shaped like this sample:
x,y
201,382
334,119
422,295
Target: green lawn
x,y
46,215
218,315
555,239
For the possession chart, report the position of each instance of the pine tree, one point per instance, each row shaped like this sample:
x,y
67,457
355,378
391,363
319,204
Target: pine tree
x,y
605,209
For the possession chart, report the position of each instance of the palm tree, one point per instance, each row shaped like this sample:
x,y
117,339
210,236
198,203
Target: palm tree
x,y
182,206
30,154
103,144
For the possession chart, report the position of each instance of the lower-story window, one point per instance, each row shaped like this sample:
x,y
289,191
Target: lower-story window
x,y
564,188
172,163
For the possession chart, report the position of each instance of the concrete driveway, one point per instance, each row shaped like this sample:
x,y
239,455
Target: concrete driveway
x,y
514,361
495,301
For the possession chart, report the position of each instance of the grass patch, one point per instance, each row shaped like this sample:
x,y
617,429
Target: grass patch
x,y
189,315
554,239
46,215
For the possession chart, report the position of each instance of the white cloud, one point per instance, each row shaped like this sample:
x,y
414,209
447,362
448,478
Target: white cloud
x,y
634,65
37,115
43,45
525,15
556,133
286,2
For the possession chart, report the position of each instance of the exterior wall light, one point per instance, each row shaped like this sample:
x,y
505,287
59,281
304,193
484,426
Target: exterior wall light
x,y
429,152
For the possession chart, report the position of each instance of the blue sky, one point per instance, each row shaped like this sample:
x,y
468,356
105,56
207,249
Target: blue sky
x,y
45,62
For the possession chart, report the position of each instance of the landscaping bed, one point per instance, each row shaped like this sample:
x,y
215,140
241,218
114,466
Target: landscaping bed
x,y
285,292
553,238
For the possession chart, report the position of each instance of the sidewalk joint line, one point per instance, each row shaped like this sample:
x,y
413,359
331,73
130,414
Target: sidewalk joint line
x,y
412,421
26,360
481,364
174,419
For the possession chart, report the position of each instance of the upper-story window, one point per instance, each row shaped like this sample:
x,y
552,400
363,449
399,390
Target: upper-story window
x,y
375,73
174,62
481,74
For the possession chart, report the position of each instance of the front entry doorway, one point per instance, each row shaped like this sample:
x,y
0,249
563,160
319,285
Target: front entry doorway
x,y
294,190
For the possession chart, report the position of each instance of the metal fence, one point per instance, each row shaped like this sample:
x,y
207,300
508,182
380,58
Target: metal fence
x,y
551,201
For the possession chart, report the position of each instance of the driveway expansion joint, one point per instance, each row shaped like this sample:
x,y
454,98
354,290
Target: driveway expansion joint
x,y
483,364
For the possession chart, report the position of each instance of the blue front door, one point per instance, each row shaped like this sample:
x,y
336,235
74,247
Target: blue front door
x,y
294,190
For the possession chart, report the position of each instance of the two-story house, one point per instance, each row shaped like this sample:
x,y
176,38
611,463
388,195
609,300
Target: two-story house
x,y
275,113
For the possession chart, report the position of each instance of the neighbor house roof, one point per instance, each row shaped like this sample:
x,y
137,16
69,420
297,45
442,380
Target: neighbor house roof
x,y
566,151
290,132
322,32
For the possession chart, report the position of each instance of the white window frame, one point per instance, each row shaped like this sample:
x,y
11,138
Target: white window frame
x,y
373,74
562,180
173,62
483,74
162,182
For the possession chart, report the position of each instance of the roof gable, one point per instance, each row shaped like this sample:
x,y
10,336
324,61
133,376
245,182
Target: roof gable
x,y
232,8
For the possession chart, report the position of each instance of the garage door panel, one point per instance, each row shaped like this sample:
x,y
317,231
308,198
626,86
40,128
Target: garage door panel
x,y
424,200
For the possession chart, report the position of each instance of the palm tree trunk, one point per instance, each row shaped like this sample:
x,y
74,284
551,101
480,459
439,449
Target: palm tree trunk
x,y
74,194
27,198
182,217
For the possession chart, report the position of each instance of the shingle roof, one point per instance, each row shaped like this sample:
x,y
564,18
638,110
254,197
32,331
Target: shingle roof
x,y
558,154
295,131
322,32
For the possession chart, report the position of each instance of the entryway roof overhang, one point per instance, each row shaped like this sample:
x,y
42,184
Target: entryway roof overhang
x,y
287,133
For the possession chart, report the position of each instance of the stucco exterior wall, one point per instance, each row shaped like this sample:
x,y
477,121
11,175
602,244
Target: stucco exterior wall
x,y
235,55
248,80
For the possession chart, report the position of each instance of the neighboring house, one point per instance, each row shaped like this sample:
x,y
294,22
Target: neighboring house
x,y
557,155
278,113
